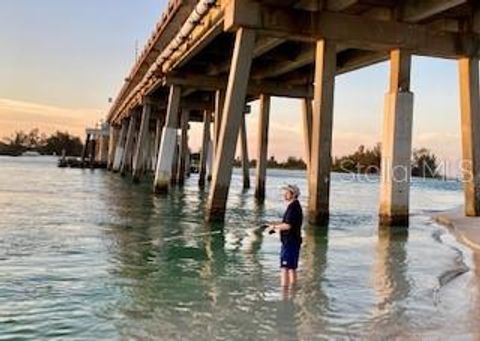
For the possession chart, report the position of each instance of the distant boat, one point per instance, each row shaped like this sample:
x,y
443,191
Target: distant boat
x,y
31,153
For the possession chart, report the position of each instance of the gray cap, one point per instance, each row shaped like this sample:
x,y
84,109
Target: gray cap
x,y
292,189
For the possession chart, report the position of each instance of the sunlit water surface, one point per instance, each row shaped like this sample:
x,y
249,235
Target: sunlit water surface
x,y
88,255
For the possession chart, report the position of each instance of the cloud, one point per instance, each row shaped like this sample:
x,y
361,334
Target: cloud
x,y
22,115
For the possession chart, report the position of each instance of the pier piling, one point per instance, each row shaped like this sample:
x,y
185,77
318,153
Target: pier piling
x,y
231,119
168,144
322,125
397,143
262,154
142,141
129,144
470,123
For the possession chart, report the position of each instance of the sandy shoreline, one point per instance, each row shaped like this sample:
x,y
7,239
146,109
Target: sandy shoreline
x,y
466,229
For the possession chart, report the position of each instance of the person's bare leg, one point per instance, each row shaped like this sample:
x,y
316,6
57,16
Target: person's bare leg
x,y
284,280
292,276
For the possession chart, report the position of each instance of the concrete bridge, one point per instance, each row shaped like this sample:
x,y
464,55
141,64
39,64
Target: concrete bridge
x,y
207,59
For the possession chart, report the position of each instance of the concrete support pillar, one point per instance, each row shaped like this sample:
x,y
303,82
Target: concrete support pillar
x,y
175,166
470,121
219,104
262,154
120,149
127,160
85,148
230,123
244,153
158,139
188,156
102,156
322,124
307,131
112,144
205,149
183,154
142,142
168,143
397,143
152,151
93,147
210,160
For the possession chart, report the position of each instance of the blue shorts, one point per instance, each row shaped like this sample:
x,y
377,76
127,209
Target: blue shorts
x,y
289,255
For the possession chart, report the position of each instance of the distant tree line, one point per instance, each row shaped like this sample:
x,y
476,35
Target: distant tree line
x,y
364,161
53,144
368,161
290,163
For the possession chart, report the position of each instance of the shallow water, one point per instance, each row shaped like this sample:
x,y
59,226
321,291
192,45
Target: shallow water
x,y
88,255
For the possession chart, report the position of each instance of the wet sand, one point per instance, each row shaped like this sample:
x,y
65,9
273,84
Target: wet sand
x,y
466,229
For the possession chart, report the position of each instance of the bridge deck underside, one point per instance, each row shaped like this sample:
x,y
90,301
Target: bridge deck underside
x,y
283,65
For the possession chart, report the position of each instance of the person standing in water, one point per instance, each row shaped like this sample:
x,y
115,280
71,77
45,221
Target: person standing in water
x,y
290,235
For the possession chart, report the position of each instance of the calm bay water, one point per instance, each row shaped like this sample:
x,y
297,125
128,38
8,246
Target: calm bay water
x,y
88,255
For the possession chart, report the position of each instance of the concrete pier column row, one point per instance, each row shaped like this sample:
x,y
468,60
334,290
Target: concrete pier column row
x,y
112,144
205,148
262,154
231,119
244,153
168,143
120,149
470,121
307,131
397,143
129,144
183,152
141,147
322,124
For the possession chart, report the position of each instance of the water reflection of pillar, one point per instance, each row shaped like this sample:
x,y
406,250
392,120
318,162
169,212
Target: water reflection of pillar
x,y
390,276
253,244
214,266
311,297
131,236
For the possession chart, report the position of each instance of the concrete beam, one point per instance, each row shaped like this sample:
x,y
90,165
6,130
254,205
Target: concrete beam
x,y
350,30
397,144
231,120
263,45
470,120
254,88
304,58
340,5
322,123
262,154
414,10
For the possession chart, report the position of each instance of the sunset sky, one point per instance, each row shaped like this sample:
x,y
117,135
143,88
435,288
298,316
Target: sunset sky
x,y
62,59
